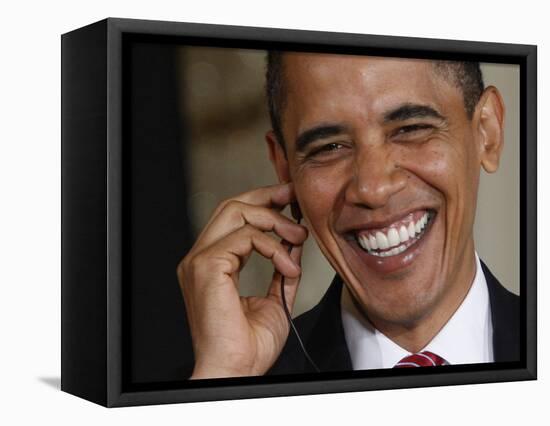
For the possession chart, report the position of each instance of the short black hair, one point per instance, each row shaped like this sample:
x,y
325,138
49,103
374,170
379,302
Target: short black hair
x,y
464,75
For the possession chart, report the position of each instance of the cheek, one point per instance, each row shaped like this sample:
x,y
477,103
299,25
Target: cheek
x,y
319,191
449,168
437,167
446,167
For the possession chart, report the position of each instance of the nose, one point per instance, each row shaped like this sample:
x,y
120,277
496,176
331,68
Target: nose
x,y
376,177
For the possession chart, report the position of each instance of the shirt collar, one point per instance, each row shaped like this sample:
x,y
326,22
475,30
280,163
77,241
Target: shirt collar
x,y
466,338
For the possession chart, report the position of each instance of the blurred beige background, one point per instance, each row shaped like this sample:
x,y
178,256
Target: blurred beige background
x,y
224,106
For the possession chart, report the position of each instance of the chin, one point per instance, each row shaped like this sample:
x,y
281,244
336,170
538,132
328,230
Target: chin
x,y
407,311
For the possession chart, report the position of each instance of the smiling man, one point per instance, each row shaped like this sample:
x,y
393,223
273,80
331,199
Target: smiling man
x,y
382,157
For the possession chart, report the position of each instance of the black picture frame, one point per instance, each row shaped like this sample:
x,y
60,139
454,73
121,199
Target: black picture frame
x,y
94,179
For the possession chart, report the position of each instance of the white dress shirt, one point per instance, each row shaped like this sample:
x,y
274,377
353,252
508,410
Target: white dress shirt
x,y
465,339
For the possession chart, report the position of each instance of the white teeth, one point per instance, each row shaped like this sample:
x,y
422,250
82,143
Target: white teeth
x,y
419,226
411,229
366,242
382,241
392,252
403,234
373,243
393,237
361,241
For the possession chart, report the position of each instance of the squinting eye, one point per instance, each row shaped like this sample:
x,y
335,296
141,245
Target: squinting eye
x,y
413,128
331,147
325,149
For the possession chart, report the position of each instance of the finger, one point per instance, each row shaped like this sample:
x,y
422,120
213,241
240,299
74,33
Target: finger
x,y
236,214
234,249
290,284
274,196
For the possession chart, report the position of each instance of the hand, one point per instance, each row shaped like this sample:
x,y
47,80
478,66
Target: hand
x,y
233,335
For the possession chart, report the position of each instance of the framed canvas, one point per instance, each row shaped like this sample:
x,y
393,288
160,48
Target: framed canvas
x,y
191,151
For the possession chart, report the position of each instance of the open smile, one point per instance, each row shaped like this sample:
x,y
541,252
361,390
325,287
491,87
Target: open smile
x,y
390,246
397,237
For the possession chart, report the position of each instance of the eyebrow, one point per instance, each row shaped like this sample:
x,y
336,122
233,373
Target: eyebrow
x,y
408,111
318,132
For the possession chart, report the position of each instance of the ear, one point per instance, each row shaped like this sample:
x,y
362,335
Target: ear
x,y
278,158
490,113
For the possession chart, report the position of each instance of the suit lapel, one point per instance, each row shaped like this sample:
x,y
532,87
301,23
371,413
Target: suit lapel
x,y
327,341
505,315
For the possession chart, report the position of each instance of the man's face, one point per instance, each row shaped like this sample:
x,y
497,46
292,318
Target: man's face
x,y
385,165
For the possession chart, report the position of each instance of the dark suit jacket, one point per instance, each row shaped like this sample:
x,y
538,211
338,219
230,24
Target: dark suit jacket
x,y
322,332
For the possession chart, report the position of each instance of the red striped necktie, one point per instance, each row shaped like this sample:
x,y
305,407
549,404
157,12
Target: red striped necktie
x,y
421,359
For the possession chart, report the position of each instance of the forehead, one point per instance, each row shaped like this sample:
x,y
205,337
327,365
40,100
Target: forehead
x,y
326,84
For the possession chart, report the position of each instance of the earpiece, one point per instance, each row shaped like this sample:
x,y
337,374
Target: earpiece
x,y
295,211
297,215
